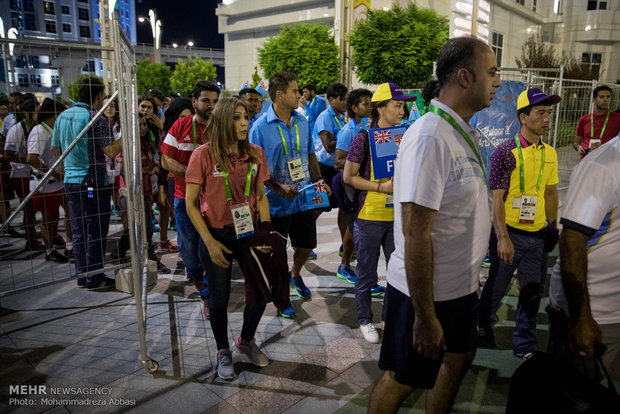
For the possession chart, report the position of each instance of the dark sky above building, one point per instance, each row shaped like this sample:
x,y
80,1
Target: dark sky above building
x,y
181,21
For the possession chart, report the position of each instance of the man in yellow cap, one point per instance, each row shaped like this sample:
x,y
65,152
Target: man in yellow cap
x,y
523,178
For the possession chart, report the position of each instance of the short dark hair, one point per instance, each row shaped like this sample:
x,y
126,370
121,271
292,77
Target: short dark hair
x,y
354,98
600,88
430,91
48,109
205,86
336,90
155,93
28,103
279,82
528,109
89,88
310,86
456,54
245,91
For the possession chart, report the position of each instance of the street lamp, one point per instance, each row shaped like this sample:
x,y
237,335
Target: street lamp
x,y
190,44
156,29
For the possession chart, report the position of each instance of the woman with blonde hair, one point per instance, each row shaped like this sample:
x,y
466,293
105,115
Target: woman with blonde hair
x,y
226,202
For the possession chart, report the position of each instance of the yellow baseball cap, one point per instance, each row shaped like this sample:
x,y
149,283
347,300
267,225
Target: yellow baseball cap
x,y
533,96
389,90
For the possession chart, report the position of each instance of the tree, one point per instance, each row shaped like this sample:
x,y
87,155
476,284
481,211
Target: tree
x,y
73,87
255,78
536,54
187,73
398,45
308,50
153,75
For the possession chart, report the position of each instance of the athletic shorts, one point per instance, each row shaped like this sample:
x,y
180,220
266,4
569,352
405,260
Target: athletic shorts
x,y
328,174
300,227
458,318
48,202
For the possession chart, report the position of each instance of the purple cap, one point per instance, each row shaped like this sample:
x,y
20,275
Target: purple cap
x,y
533,96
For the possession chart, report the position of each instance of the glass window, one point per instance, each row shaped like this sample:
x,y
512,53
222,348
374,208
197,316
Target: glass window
x,y
83,14
50,26
28,5
534,4
66,28
521,2
30,23
597,58
585,57
602,5
23,80
55,80
48,7
65,9
592,5
497,45
84,31
36,80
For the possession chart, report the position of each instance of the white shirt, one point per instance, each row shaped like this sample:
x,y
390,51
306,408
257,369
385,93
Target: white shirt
x,y
437,169
7,123
593,201
16,141
39,142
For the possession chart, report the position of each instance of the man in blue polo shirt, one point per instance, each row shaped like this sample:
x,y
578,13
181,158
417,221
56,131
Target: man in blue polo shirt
x,y
285,137
313,104
86,181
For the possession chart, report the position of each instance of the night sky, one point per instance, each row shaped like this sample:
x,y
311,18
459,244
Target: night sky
x,y
181,21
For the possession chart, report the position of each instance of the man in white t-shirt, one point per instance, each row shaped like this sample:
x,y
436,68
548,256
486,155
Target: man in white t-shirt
x,y
50,196
441,231
587,286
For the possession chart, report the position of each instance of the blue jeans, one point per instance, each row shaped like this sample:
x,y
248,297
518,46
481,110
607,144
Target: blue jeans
x,y
189,239
369,237
530,261
90,220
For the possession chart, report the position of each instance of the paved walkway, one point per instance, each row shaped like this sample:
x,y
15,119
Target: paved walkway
x,y
74,341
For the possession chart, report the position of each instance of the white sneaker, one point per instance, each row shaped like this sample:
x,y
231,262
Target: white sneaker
x,y
250,354
370,333
225,369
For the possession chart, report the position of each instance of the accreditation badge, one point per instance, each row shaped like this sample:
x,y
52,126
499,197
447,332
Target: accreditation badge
x,y
296,170
389,200
527,209
242,217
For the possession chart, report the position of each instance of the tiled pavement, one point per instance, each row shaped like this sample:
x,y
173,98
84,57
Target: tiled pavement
x,y
62,336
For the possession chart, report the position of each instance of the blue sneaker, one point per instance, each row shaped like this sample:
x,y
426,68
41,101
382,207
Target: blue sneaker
x,y
156,210
155,227
340,251
346,273
298,284
312,255
154,220
288,313
377,290
486,262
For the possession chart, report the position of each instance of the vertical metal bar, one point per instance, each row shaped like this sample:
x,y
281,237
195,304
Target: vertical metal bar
x,y
558,108
126,76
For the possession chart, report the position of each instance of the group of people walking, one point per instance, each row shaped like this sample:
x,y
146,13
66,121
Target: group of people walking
x,y
238,174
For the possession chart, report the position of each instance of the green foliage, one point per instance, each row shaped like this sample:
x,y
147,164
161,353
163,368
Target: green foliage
x,y
255,78
308,50
153,75
398,45
73,87
187,73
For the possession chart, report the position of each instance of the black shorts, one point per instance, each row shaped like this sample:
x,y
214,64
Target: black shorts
x,y
458,318
328,174
300,227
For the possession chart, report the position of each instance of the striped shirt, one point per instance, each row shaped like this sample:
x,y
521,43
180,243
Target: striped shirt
x,y
179,145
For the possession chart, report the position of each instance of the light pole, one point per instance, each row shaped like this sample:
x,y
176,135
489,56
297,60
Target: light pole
x,y
156,29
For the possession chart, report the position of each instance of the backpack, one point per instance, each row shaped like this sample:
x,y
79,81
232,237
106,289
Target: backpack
x,y
346,195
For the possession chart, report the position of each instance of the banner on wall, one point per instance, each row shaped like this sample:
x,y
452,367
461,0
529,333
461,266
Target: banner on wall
x,y
498,122
360,10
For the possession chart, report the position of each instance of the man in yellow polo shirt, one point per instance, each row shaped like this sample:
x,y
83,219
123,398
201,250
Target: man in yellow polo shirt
x,y
522,179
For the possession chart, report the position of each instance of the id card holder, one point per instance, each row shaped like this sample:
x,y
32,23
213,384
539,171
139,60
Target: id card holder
x,y
389,200
527,210
296,170
242,217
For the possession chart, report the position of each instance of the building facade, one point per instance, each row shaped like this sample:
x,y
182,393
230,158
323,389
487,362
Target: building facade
x,y
583,29
68,25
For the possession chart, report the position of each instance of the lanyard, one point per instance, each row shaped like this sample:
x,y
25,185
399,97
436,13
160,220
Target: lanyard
x,y
522,168
248,182
338,122
448,118
45,127
83,105
284,141
25,121
194,129
592,125
312,102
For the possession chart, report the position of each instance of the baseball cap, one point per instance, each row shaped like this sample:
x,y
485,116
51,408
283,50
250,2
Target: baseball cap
x,y
389,90
533,96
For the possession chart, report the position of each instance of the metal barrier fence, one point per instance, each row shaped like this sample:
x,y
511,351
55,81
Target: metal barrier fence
x,y
23,267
